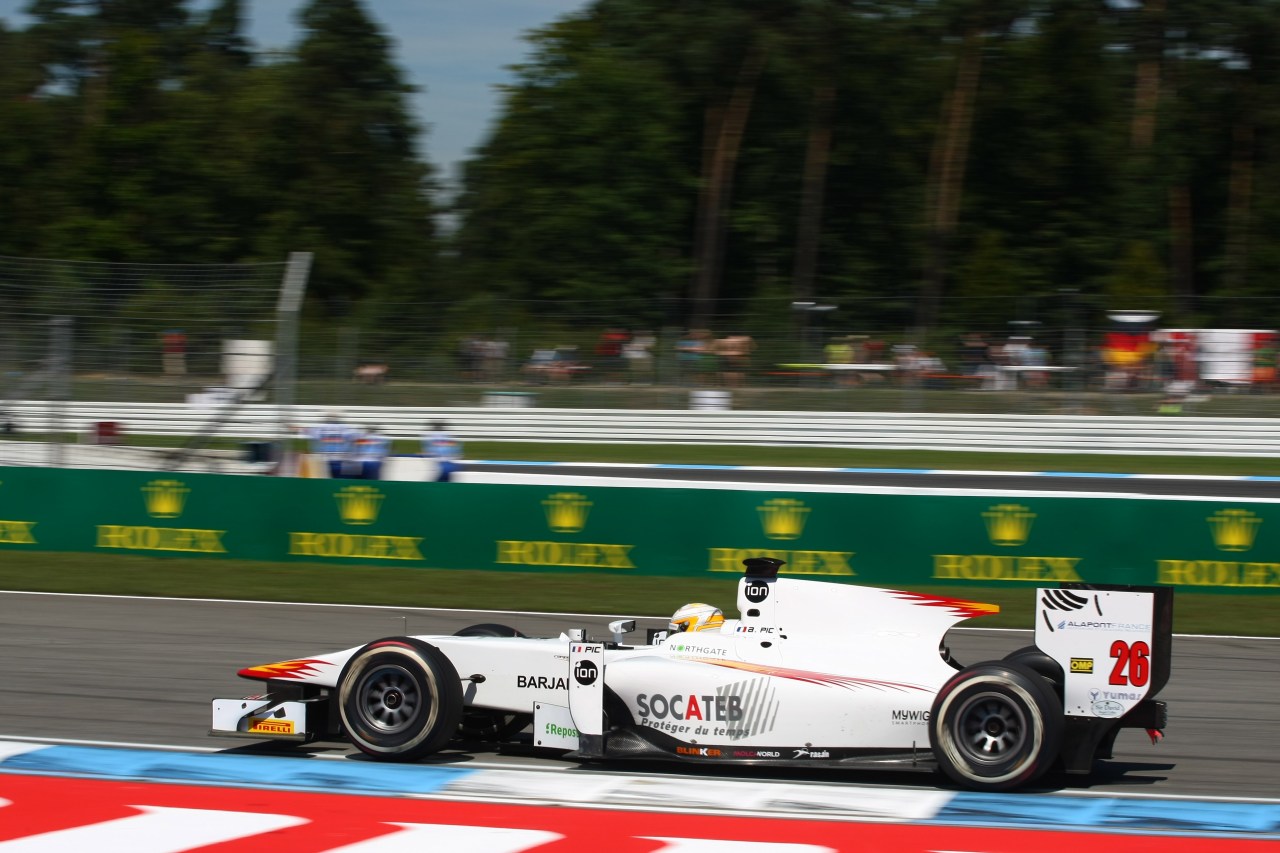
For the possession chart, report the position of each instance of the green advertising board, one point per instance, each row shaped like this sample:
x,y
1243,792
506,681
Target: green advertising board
x,y
882,539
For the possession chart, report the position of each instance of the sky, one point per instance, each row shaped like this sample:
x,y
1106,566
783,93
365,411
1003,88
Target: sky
x,y
455,51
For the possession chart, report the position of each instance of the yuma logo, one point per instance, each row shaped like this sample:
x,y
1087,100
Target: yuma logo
x,y
783,518
165,498
1082,665
1008,524
1234,529
359,504
904,718
566,512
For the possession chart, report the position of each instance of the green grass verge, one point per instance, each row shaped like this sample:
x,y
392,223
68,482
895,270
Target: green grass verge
x,y
1195,613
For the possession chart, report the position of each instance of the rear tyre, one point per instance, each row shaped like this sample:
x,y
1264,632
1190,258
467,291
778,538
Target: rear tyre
x,y
490,726
488,629
1032,658
995,726
400,699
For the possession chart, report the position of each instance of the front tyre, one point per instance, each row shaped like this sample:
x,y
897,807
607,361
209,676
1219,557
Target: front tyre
x,y
995,726
400,699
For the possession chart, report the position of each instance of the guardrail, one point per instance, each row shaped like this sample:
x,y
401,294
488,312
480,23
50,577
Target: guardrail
x,y
863,430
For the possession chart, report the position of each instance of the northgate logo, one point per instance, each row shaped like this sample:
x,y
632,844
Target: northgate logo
x,y
783,520
566,513
358,506
16,532
1233,531
1007,526
164,500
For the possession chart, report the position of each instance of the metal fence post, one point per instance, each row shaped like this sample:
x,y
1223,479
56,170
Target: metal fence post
x,y
59,384
292,289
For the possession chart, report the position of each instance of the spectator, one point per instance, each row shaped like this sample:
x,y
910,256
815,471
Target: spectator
x,y
690,350
332,441
442,447
639,355
174,344
371,450
609,353
973,355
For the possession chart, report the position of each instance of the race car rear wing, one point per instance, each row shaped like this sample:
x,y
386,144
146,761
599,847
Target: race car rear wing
x,y
1113,642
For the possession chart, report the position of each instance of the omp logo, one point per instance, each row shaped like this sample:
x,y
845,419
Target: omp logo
x,y
359,504
783,518
269,726
165,498
1082,665
1233,529
566,512
1008,524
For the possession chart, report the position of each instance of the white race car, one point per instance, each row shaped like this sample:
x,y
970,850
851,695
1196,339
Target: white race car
x,y
813,673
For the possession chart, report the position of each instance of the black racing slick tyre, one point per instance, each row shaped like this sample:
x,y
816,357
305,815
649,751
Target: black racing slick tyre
x,y
995,726
479,724
400,699
488,629
1032,658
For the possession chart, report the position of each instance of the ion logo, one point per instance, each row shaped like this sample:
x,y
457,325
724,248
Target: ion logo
x,y
585,672
757,592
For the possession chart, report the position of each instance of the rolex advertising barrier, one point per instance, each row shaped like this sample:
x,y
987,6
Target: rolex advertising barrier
x,y
887,540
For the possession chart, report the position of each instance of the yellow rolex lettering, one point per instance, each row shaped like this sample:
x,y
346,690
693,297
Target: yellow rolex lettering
x,y
590,555
302,544
947,566
407,548
510,552
724,560
1223,573
804,563
617,556
988,567
835,563
1061,569
361,546
184,539
797,562
17,533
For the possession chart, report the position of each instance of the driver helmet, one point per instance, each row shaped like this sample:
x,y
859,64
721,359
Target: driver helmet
x,y
696,617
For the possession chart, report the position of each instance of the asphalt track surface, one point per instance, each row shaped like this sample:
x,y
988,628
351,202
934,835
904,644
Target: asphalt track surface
x,y
1064,481
142,671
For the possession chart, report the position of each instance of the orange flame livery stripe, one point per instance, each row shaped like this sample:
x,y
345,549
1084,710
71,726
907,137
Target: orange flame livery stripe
x,y
287,669
958,606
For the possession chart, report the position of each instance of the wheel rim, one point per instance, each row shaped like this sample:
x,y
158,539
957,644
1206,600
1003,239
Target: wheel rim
x,y
390,699
991,729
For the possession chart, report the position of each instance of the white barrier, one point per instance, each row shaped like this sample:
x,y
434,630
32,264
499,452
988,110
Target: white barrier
x,y
864,430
